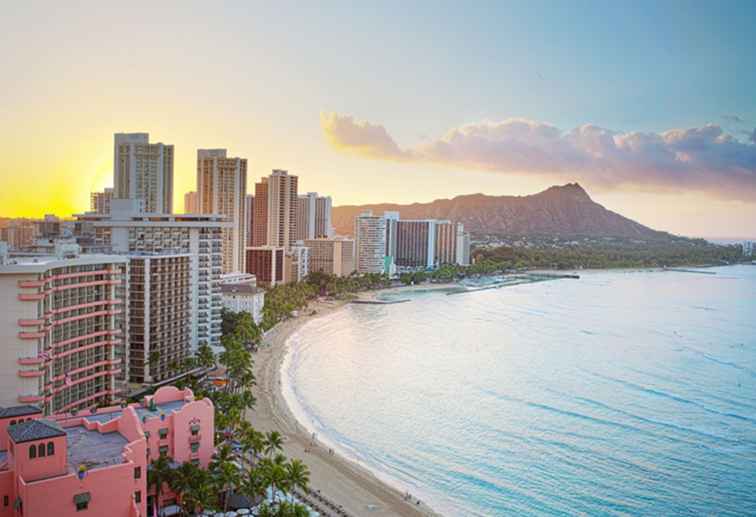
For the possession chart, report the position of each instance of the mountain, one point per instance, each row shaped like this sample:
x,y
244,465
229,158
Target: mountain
x,y
559,211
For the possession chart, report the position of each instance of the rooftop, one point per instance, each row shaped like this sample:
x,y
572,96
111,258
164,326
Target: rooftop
x,y
239,289
142,412
92,448
13,411
32,430
41,263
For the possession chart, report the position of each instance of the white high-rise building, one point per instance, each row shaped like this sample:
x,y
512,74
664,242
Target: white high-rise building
x,y
143,171
222,189
314,216
126,230
281,209
370,243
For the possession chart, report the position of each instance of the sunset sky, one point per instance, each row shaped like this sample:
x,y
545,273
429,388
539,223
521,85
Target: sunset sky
x,y
652,108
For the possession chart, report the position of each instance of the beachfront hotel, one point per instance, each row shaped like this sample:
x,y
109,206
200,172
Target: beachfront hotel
x,y
63,329
96,462
127,230
313,216
222,189
371,242
275,210
143,171
333,256
267,264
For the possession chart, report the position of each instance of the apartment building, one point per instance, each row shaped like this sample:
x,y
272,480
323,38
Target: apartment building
x,y
191,203
249,219
99,202
276,210
159,312
96,462
370,239
143,171
63,329
126,230
313,216
222,189
267,264
244,297
333,256
260,214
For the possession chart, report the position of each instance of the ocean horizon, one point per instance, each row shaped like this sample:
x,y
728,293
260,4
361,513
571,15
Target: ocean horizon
x,y
621,393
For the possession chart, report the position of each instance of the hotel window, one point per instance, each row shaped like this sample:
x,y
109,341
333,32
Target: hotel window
x,y
137,472
195,462
5,500
138,496
195,430
41,450
163,433
32,452
50,448
163,450
195,447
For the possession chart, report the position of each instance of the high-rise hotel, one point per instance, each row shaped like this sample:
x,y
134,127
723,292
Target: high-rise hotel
x,y
143,171
222,189
64,329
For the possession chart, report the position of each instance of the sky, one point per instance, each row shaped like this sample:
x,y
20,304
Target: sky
x,y
649,105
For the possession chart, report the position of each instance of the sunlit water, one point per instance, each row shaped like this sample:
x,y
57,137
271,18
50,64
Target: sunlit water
x,y
622,393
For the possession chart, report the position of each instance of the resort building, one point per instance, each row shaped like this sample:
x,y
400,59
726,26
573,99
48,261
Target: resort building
x,y
313,216
63,329
96,462
128,231
238,278
249,218
99,202
296,264
334,256
463,246
19,233
276,210
191,203
159,316
49,227
260,214
244,298
267,264
222,189
415,244
143,171
370,243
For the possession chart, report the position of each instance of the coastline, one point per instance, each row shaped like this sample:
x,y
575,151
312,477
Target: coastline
x,y
339,479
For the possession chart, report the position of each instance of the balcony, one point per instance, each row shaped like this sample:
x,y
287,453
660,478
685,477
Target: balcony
x,y
30,399
30,361
31,297
30,373
31,335
31,283
30,323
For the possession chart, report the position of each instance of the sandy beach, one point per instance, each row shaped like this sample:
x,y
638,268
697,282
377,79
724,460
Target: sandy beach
x,y
342,481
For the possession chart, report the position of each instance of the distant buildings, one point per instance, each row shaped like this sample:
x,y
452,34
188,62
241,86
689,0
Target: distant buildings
x,y
313,216
63,328
385,243
296,264
96,462
267,264
143,171
222,189
331,256
276,209
370,243
249,218
244,297
748,248
191,203
19,233
99,202
128,231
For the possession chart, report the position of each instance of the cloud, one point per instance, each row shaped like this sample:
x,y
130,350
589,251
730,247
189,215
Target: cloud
x,y
698,159
734,119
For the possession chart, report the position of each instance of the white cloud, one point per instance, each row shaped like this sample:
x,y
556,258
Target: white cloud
x,y
698,159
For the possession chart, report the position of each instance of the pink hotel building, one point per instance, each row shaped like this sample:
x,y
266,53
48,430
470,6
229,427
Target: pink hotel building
x,y
96,463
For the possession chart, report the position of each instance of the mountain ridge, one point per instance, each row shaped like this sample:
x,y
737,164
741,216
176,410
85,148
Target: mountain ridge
x,y
559,211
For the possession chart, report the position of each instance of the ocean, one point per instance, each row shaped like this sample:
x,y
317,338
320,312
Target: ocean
x,y
619,393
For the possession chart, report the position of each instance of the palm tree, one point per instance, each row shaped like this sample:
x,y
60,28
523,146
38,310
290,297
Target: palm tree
x,y
225,472
194,487
159,472
273,443
298,475
275,474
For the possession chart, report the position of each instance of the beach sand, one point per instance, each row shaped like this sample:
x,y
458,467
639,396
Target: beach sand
x,y
342,481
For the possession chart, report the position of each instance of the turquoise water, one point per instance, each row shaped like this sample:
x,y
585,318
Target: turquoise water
x,y
622,393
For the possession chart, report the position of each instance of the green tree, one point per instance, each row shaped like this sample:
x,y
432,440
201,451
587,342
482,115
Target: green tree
x,y
159,473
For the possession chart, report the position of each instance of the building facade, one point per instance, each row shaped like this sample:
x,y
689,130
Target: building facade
x,y
296,264
331,256
222,189
415,244
313,216
260,214
281,209
63,329
159,312
96,463
99,202
267,264
249,219
370,243
143,171
191,203
244,298
128,231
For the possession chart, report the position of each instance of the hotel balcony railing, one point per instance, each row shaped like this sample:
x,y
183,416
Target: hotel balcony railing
x,y
194,438
30,373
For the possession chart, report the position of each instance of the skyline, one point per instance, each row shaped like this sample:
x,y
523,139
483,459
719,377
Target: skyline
x,y
252,81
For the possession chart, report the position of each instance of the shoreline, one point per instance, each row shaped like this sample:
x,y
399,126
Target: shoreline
x,y
341,480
